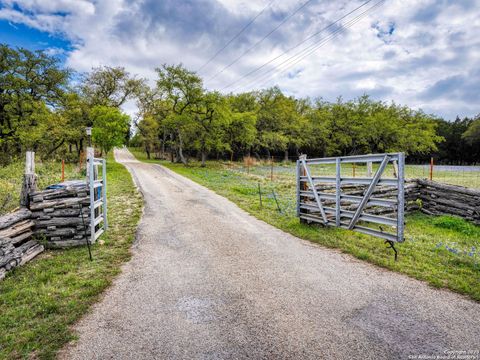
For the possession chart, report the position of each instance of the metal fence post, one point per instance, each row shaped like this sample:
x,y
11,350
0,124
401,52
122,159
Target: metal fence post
x,y
337,192
298,186
91,184
104,193
401,197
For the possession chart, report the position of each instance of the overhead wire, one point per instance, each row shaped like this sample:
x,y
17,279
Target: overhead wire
x,y
235,36
296,46
261,40
292,62
263,79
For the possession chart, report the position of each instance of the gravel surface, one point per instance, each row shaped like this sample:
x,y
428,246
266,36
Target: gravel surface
x,y
209,281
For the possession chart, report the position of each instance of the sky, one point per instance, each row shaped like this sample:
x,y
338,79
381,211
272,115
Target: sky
x,y
420,53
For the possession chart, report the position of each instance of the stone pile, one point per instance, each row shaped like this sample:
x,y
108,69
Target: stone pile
x,y
442,199
16,244
61,216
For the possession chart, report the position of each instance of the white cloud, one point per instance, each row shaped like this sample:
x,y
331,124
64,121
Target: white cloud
x,y
423,53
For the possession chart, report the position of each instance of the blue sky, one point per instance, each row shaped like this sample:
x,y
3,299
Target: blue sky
x,y
421,53
21,35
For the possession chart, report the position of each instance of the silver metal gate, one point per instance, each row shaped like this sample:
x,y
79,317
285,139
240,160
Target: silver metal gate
x,y
372,204
98,195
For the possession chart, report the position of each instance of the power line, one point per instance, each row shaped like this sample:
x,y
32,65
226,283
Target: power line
x,y
312,48
236,36
296,46
261,40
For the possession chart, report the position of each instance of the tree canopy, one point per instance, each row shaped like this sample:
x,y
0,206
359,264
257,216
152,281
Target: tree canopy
x,y
192,120
110,127
44,108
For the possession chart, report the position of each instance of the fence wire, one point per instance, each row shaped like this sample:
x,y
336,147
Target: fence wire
x,y
280,171
48,173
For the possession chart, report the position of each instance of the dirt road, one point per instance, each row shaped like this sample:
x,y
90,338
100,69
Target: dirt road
x,y
208,281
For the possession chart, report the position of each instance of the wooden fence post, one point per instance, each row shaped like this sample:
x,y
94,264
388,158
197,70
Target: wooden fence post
x,y
90,155
29,179
395,168
63,170
431,169
271,168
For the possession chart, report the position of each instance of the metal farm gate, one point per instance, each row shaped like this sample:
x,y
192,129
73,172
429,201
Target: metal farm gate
x,y
98,195
372,204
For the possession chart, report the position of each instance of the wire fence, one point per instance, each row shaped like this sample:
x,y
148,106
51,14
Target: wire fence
x,y
272,180
48,173
277,169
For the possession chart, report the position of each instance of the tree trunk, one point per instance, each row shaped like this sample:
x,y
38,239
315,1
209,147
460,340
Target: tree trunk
x,y
163,145
204,158
286,155
147,150
180,150
55,148
80,148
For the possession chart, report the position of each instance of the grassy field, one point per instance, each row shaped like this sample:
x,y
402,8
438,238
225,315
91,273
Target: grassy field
x,y
48,172
40,301
468,176
444,251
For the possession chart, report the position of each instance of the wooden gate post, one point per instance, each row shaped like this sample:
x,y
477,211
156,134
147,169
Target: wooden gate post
x,y
369,169
29,179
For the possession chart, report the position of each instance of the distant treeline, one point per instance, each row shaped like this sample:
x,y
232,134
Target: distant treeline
x,y
461,144
179,117
46,108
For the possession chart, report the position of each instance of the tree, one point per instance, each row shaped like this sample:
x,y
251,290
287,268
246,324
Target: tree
x,y
271,121
110,86
32,85
182,90
76,111
209,114
472,134
472,138
240,132
148,131
109,127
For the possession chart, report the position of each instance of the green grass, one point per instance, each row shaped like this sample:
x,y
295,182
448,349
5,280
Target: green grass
x,y
285,172
48,172
444,251
40,301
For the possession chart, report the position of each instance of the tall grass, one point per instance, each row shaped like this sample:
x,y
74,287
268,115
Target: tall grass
x,y
48,172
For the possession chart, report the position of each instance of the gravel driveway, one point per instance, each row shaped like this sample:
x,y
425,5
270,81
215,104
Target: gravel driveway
x,y
209,281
